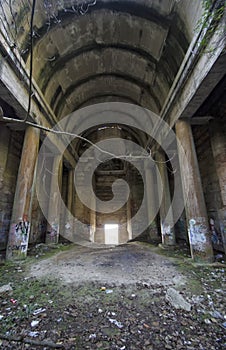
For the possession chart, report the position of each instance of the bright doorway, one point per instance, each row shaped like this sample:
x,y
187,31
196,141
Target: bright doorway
x,y
111,234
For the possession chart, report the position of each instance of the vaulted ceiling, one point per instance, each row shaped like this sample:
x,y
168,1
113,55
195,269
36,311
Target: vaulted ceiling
x,y
85,52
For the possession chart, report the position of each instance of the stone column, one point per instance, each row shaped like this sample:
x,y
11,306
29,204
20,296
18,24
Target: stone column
x,y
21,213
92,222
5,206
166,213
218,144
195,207
152,200
70,189
69,214
129,224
64,195
53,219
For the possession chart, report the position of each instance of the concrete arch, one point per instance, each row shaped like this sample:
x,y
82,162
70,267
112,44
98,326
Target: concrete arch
x,y
98,98
103,83
136,81
96,58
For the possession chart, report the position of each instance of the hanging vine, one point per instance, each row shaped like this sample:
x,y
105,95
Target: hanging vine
x,y
213,13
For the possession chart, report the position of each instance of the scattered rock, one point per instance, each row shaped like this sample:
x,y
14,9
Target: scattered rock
x,y
33,334
78,315
207,321
6,288
177,300
34,323
116,323
38,311
216,314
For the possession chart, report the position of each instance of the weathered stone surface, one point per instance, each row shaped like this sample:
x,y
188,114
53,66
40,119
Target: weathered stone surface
x,y
166,213
21,214
196,213
177,300
10,149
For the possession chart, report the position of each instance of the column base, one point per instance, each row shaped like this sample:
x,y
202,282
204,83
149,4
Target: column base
x,y
200,240
167,247
52,234
152,231
18,241
222,220
168,235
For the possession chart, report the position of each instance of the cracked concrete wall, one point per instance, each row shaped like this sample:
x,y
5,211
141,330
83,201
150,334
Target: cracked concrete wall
x,y
10,146
209,178
38,222
190,12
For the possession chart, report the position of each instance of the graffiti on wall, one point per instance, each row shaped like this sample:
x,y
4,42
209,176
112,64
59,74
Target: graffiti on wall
x,y
19,234
198,233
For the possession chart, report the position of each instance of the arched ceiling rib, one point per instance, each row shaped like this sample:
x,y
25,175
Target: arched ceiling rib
x,y
88,119
96,57
51,14
73,89
103,84
122,30
99,98
127,132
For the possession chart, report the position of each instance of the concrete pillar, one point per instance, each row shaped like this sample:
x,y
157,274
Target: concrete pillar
x,y
5,205
53,219
69,224
152,201
63,216
93,217
166,213
70,189
21,213
129,224
218,143
196,213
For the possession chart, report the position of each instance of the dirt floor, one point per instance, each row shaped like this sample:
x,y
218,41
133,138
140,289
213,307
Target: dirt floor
x,y
134,296
127,264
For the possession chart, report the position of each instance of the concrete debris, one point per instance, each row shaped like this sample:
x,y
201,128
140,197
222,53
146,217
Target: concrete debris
x,y
177,300
34,323
207,321
33,334
109,291
216,314
92,336
38,311
116,323
6,288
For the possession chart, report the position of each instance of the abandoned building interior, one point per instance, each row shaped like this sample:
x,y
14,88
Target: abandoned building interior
x,y
74,58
